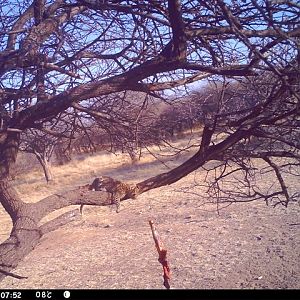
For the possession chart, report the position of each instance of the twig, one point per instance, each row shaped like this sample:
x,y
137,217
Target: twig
x,y
162,258
12,274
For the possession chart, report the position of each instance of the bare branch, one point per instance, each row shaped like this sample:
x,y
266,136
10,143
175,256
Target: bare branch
x,y
280,179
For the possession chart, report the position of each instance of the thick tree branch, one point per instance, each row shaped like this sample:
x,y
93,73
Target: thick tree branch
x,y
231,70
179,40
196,161
59,221
18,26
174,83
77,196
36,36
226,32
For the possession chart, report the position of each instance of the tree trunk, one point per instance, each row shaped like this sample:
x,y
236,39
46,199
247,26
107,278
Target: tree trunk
x,y
47,171
134,156
45,165
24,235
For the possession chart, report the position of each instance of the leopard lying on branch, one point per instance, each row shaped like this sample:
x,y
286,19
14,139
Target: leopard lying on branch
x,y
117,189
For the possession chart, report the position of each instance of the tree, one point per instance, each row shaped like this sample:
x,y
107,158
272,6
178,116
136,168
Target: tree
x,y
53,137
119,121
56,55
42,147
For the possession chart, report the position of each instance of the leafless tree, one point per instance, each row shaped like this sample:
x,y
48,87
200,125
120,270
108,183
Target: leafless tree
x,y
42,147
54,137
119,121
57,55
237,174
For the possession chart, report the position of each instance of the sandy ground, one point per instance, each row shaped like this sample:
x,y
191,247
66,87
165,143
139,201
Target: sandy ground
x,y
245,246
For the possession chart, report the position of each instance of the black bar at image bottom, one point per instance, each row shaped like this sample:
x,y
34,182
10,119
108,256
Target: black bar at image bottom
x,y
83,294
51,294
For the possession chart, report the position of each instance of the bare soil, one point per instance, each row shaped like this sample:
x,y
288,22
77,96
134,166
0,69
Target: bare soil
x,y
245,246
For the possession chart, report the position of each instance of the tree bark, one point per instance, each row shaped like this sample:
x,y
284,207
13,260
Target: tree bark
x,y
9,143
45,165
24,235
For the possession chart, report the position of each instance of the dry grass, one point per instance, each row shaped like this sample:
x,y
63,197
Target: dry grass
x,y
32,187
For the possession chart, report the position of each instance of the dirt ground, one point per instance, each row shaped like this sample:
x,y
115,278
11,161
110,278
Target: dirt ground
x,y
245,246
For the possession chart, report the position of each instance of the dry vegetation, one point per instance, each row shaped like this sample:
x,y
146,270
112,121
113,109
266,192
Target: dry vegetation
x,y
246,245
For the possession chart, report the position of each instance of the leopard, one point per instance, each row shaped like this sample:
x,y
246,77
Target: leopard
x,y
118,190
